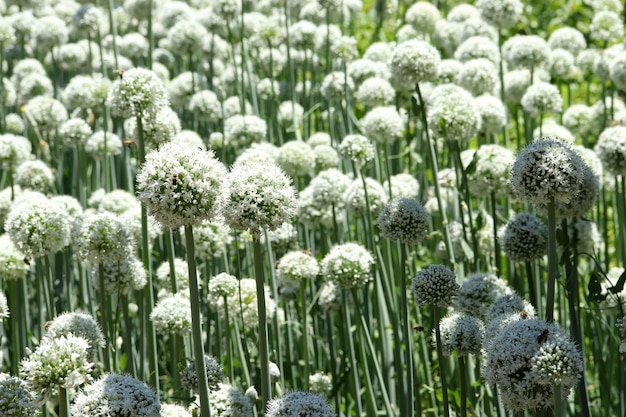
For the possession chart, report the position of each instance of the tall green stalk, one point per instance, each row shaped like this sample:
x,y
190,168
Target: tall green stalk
x,y
264,357
552,261
442,363
408,341
196,324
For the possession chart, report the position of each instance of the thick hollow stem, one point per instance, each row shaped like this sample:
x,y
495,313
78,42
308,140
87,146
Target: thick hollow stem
x,y
264,357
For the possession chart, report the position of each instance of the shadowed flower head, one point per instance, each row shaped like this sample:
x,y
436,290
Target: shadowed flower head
x,y
524,238
435,285
404,219
78,324
181,186
214,374
104,238
299,403
461,333
16,397
477,292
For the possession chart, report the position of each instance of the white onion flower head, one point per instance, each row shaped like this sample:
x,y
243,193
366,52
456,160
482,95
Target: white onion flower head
x,y
382,125
297,266
423,16
38,227
478,76
509,304
552,129
478,47
181,186
344,48
378,51
524,238
477,292
79,324
320,383
446,36
335,85
542,97
360,70
229,401
611,149
516,83
525,51
186,36
326,157
137,92
461,333
103,237
296,158
74,132
241,130
329,186
244,302
158,128
525,360
404,219
49,31
222,285
261,196
617,71
606,26
16,397
14,124
4,311
476,26
567,38
358,148
491,165
299,403
212,238
46,113
561,65
14,150
578,119
172,315
403,185
502,14
174,410
375,91
121,276
118,202
12,260
116,395
434,285
454,117
181,274
447,70
493,113
61,362
34,175
414,61
206,105
95,145
355,197
551,171
348,265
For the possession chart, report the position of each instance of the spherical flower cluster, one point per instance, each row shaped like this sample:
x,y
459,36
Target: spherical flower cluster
x,y
296,158
375,91
49,31
611,149
295,267
606,26
567,38
78,324
434,285
477,292
118,202
103,237
206,106
181,186
16,397
212,238
552,129
320,383
578,119
61,362
500,13
348,265
46,113
363,69
423,16
283,239
454,117
14,124
548,171
382,125
228,401
261,196
37,227
326,157
74,132
241,130
477,47
102,144
335,85
447,70
4,306
313,213
158,127
509,304
137,92
34,175
362,198
116,395
172,314
461,333
525,51
174,410
14,150
524,238
492,112
358,148
214,374
121,276
299,403
476,26
542,97
529,360
491,165
222,285
414,61
12,260
478,76
241,303
404,219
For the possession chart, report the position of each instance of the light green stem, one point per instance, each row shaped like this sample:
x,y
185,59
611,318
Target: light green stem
x,y
64,403
264,357
196,324
552,261
408,341
442,363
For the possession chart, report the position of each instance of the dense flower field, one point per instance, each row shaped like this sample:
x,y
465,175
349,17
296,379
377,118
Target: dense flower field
x,y
312,208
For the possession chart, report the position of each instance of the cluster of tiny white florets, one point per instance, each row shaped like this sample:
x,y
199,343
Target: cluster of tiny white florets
x,y
116,395
461,333
78,324
214,374
241,130
172,314
434,285
299,403
414,61
181,186
16,397
478,76
490,171
121,276
34,175
228,401
454,116
492,112
137,92
529,360
241,300
297,266
542,97
477,292
103,237
358,148
525,51
348,265
549,171
524,238
500,13
12,260
382,125
611,149
404,219
61,362
296,158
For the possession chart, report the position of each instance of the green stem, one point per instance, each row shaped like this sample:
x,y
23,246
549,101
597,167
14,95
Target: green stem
x,y
354,363
196,324
104,318
64,403
442,363
229,343
463,375
552,261
408,342
305,334
264,357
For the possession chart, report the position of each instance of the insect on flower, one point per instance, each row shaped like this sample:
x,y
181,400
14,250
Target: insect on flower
x,y
175,179
120,72
543,336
